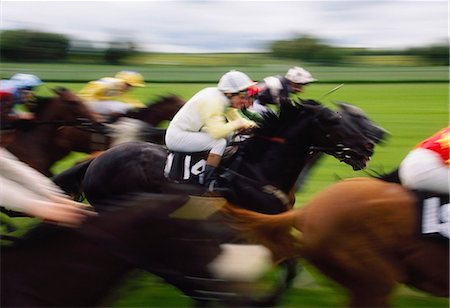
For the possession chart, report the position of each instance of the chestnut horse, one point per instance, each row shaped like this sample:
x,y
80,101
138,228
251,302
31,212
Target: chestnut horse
x,y
34,143
360,232
143,127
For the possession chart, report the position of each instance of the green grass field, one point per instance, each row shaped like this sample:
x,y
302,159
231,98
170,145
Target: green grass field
x,y
410,111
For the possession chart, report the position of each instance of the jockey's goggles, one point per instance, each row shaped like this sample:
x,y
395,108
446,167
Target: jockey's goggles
x,y
27,88
242,94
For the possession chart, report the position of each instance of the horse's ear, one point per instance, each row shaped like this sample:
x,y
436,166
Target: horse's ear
x,y
60,90
351,109
310,104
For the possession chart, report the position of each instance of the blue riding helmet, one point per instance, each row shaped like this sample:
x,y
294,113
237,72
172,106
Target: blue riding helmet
x,y
26,81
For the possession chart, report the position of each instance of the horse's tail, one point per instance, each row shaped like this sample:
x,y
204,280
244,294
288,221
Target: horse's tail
x,y
272,231
71,180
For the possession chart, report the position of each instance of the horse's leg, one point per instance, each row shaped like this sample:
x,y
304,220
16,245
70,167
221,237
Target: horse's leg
x,y
357,266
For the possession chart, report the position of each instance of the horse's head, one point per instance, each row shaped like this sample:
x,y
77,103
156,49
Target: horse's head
x,y
348,135
64,107
164,109
358,117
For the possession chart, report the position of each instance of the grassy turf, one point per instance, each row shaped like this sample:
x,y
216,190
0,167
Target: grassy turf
x,y
410,102
409,111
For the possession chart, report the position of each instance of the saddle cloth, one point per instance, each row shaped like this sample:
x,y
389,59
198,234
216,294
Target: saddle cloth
x,y
433,211
188,168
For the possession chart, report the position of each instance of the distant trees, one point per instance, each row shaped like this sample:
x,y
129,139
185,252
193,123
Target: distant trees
x,y
119,51
25,45
35,46
435,54
311,49
307,48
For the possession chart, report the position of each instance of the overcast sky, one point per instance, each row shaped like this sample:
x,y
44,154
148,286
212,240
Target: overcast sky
x,y
233,26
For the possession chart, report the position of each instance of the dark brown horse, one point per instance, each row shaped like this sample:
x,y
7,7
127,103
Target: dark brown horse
x,y
264,170
360,232
34,143
143,128
174,237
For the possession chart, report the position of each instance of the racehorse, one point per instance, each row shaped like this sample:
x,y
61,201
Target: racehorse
x,y
360,232
143,128
34,143
63,267
264,169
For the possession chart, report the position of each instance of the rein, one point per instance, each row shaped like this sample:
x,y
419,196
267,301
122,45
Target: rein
x,y
82,123
269,189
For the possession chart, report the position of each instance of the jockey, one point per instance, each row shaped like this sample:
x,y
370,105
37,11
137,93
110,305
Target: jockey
x,y
18,90
25,190
109,95
427,165
208,118
276,89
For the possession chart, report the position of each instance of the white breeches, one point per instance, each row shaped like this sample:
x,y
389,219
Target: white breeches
x,y
185,141
108,107
424,169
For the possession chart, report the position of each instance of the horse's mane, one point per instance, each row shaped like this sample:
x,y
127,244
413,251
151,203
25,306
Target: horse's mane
x,y
155,107
39,104
272,124
391,177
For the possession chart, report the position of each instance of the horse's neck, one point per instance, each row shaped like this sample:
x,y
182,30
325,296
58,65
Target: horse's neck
x,y
281,164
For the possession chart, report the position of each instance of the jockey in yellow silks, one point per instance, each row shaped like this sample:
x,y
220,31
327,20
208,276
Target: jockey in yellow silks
x,y
110,95
206,120
427,165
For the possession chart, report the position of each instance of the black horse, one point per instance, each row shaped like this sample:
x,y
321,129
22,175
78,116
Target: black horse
x,y
63,267
263,171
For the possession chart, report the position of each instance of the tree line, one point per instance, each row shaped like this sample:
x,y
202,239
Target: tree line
x,y
35,46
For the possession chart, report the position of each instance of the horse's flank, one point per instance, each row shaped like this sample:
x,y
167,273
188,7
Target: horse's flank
x,y
360,232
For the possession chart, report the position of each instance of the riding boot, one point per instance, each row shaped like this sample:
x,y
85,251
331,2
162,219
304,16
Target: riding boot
x,y
210,177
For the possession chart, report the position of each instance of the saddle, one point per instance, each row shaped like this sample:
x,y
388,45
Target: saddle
x,y
188,169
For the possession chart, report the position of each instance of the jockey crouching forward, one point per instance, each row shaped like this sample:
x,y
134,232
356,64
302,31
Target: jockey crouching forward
x,y
14,92
211,116
109,96
427,165
276,90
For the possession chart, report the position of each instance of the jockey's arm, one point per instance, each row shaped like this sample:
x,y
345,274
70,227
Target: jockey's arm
x,y
215,123
129,99
23,174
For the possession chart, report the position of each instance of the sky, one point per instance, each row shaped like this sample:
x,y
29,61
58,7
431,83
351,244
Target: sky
x,y
235,26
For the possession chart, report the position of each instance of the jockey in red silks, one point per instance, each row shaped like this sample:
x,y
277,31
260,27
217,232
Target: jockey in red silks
x,y
427,165
13,92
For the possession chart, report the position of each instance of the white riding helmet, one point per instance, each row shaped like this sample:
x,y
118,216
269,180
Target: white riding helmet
x,y
26,80
299,75
234,82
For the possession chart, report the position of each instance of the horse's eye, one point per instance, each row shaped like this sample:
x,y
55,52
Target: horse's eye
x,y
369,146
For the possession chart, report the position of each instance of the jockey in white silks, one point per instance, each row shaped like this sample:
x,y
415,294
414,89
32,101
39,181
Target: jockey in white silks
x,y
109,96
24,189
211,116
427,165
